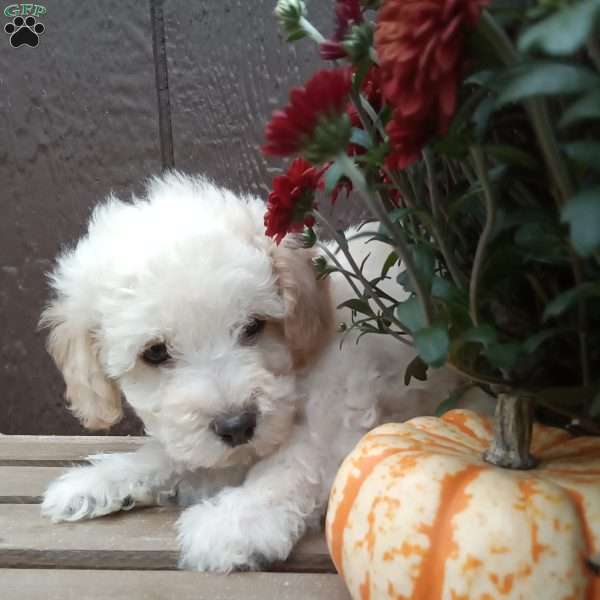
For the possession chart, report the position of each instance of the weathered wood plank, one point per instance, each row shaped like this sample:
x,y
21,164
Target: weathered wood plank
x,y
59,450
78,120
25,485
141,539
133,585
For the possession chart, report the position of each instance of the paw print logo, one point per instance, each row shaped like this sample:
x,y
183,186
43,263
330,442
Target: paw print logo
x,y
24,31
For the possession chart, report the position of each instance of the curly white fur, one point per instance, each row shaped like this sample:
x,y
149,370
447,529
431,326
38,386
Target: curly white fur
x,y
189,265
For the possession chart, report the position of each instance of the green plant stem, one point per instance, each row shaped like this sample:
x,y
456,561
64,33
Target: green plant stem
x,y
399,241
369,121
371,292
538,289
477,377
470,177
357,100
368,118
336,262
490,217
581,322
538,110
434,195
400,181
312,32
373,55
370,111
367,115
536,107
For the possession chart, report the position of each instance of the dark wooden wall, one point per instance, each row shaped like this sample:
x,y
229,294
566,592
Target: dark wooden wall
x,y
79,117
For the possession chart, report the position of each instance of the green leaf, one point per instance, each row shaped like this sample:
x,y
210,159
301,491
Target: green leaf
x,y
585,153
432,344
483,334
453,146
481,116
404,280
374,157
511,155
417,369
357,305
411,314
583,109
390,261
453,399
564,32
582,213
540,241
333,174
565,300
361,138
544,79
482,78
424,261
296,35
533,342
441,288
473,193
399,214
508,219
464,112
504,356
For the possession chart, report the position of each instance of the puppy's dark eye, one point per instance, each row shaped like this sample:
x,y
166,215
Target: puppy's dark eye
x,y
252,329
156,354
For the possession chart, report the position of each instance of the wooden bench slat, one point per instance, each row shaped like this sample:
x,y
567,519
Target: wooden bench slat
x,y
57,450
138,539
57,584
25,485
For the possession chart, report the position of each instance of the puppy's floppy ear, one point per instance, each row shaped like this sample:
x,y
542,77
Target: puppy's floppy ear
x,y
93,397
309,320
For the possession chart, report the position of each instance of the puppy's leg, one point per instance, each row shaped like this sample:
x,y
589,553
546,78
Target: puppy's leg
x,y
111,483
260,521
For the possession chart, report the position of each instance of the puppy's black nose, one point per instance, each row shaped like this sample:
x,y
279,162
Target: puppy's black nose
x,y
235,430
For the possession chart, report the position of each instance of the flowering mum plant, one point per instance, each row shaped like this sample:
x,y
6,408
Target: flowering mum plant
x,y
471,130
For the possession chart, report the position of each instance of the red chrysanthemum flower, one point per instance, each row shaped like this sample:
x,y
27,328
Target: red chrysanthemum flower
x,y
407,139
292,199
420,46
347,14
314,123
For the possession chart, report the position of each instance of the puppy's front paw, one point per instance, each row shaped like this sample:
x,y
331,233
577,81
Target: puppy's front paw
x,y
83,493
223,535
210,543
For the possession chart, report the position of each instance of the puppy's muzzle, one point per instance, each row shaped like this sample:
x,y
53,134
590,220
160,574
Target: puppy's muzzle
x,y
237,429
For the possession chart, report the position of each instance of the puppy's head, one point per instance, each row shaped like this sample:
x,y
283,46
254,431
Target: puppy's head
x,y
181,304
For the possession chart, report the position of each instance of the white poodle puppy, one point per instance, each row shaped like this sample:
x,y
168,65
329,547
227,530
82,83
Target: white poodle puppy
x,y
225,345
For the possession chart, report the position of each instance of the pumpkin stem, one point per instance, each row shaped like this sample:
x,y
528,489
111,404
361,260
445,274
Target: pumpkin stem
x,y
513,423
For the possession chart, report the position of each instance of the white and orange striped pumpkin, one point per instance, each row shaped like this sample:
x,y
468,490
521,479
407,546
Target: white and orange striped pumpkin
x,y
416,514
